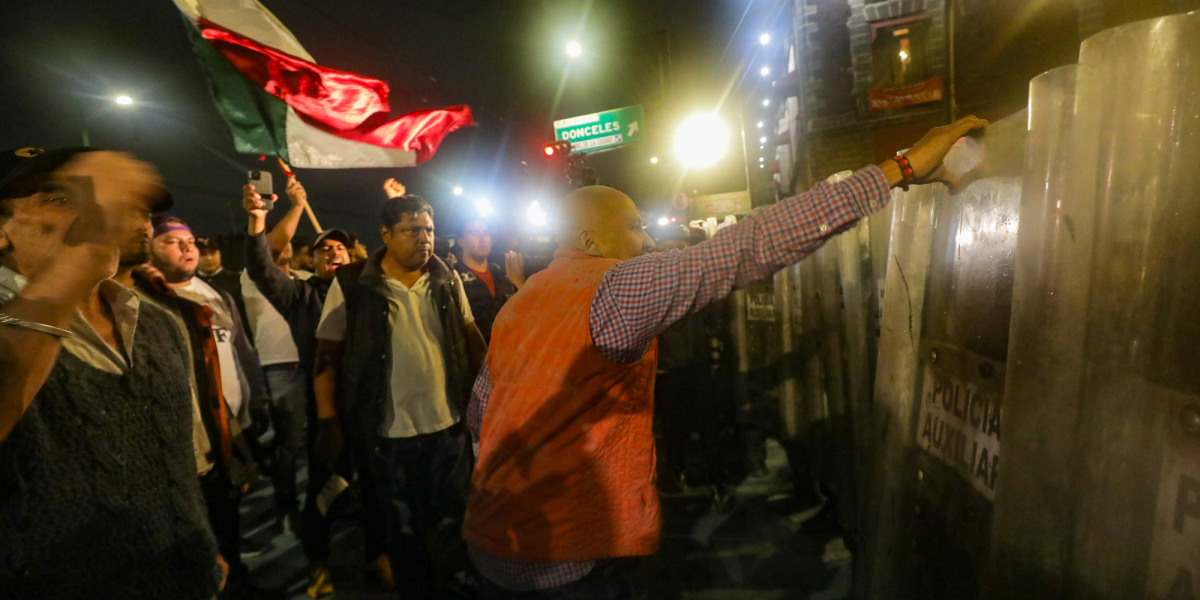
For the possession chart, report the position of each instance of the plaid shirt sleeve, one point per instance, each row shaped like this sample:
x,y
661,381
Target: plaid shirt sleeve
x,y
478,405
641,297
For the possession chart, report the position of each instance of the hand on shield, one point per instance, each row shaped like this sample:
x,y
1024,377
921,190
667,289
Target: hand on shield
x,y
926,155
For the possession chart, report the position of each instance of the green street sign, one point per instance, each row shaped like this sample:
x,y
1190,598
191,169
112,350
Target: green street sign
x,y
601,130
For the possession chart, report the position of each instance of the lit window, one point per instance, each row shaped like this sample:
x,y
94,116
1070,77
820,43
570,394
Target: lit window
x,y
899,54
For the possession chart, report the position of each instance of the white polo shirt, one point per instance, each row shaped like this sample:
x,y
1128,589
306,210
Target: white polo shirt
x,y
417,370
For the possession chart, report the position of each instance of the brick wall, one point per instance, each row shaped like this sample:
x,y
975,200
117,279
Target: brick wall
x,y
830,153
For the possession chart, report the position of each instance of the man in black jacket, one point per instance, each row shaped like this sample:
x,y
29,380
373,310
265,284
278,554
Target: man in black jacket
x,y
398,353
300,302
487,287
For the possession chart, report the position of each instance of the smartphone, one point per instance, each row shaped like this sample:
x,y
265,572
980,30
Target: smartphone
x,y
261,180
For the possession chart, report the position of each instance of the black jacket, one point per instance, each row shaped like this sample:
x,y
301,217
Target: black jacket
x,y
485,306
363,388
300,302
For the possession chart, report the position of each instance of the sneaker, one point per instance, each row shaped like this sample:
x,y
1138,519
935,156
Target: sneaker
x,y
320,580
251,548
381,570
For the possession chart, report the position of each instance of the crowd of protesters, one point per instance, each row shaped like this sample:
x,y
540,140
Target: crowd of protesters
x,y
499,428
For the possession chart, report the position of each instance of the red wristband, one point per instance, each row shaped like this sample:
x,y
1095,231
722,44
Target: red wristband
x,y
905,170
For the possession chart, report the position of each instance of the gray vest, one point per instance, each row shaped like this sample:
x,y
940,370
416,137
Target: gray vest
x,y
98,490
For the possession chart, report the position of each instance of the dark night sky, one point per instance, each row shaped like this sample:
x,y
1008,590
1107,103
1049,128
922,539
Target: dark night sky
x,y
61,60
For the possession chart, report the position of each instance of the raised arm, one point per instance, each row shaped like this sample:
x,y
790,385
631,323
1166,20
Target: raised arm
x,y
121,189
283,232
640,298
280,290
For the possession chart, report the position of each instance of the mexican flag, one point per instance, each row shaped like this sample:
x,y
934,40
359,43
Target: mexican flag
x,y
277,100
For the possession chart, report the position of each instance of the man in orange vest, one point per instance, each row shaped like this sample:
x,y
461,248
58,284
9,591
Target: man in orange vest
x,y
561,412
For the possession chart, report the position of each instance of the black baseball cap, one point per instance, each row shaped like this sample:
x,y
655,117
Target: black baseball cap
x,y
22,163
331,234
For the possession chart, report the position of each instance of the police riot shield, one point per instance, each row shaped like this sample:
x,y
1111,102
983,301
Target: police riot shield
x,y
1116,503
828,305
1032,524
940,376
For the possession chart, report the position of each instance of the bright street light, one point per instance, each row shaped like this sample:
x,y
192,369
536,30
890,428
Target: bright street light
x,y
766,101
458,191
760,124
761,159
574,49
764,39
536,215
484,207
654,160
762,140
124,100
765,71
701,139
762,147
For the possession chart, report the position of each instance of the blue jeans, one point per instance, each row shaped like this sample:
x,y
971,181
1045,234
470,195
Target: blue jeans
x,y
423,483
287,387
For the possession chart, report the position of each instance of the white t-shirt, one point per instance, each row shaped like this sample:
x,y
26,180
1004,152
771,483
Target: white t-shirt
x,y
272,336
417,371
201,293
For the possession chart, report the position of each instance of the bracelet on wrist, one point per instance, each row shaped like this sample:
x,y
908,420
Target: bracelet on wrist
x,y
905,170
39,327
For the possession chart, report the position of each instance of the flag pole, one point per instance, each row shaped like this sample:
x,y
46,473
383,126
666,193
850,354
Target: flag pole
x,y
307,206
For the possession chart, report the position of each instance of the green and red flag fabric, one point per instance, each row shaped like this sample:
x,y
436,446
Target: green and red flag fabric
x,y
277,100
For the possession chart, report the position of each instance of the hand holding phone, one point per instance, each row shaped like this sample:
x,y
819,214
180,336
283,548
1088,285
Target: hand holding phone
x,y
262,182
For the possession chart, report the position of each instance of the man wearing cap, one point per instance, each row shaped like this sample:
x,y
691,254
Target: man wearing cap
x,y
98,489
173,252
300,302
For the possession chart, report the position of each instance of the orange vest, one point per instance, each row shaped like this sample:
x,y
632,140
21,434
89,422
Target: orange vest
x,y
566,456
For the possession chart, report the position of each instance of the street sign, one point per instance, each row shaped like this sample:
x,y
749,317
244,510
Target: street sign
x,y
601,130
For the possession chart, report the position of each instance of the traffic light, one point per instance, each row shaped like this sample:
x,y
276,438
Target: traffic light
x,y
559,148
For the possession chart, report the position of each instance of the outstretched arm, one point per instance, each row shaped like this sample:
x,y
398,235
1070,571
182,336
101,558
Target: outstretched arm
x,y
640,298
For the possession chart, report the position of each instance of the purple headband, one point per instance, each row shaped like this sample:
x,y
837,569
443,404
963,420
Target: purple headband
x,y
165,224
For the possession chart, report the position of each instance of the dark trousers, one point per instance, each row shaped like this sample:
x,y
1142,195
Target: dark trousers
x,y
287,387
224,519
609,580
685,401
423,483
314,529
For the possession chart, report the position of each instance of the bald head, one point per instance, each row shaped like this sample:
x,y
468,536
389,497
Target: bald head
x,y
602,222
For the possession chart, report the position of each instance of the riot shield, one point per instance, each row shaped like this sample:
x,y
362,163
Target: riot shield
x,y
940,379
1120,494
